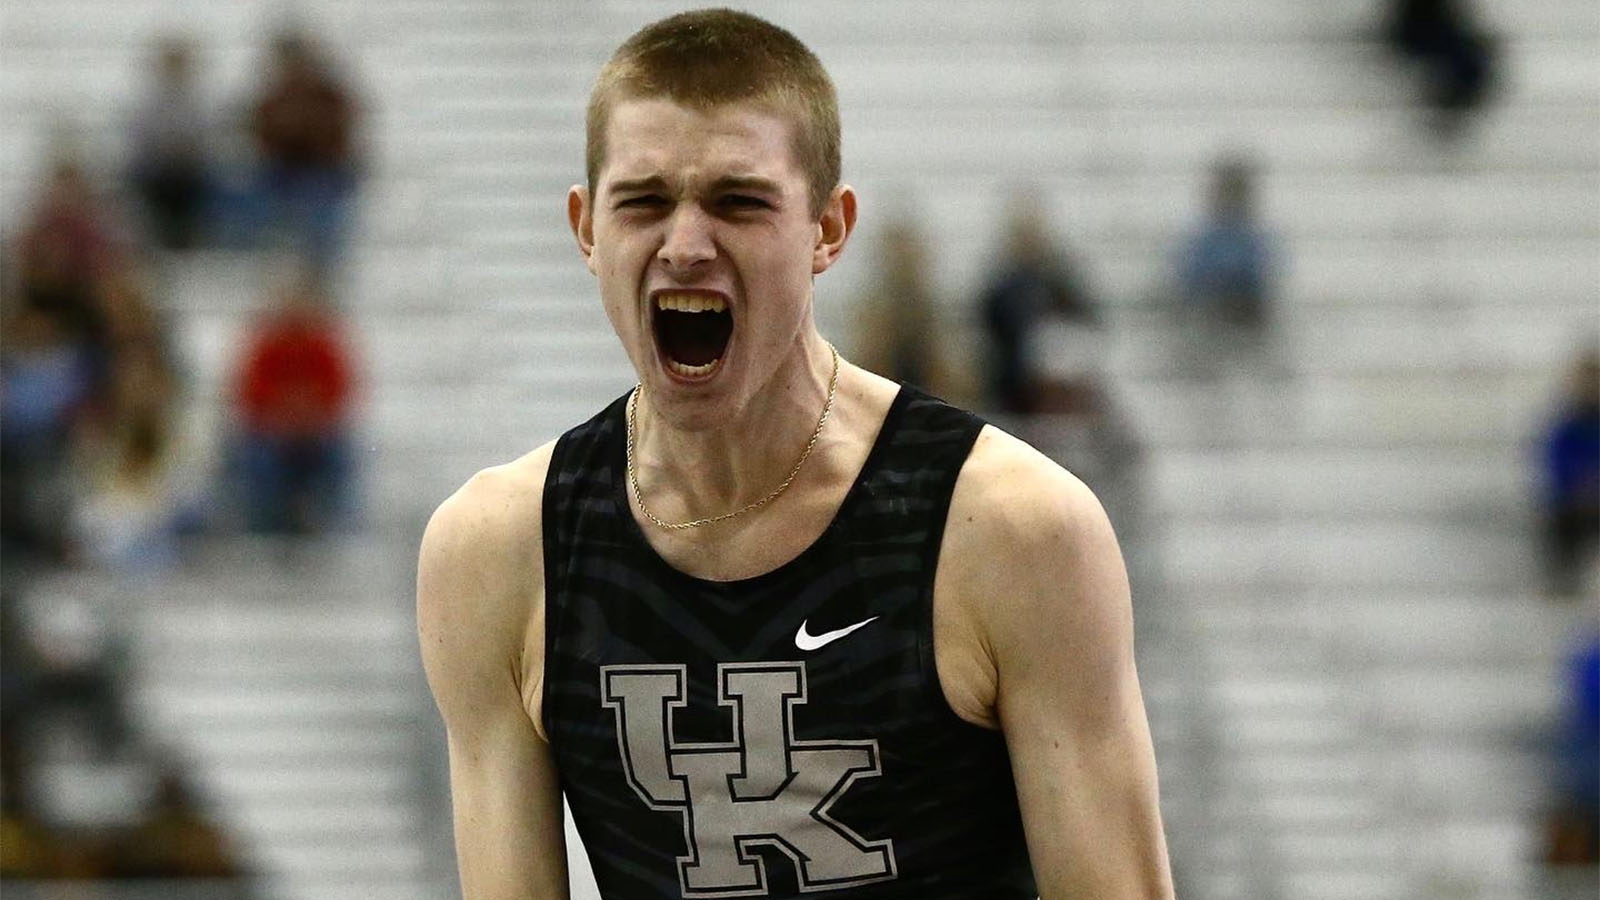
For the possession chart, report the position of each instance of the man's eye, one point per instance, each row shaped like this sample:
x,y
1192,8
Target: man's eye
x,y
643,201
744,201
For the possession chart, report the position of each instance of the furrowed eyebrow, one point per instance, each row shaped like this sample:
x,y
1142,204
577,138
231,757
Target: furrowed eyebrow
x,y
745,183
632,185
657,184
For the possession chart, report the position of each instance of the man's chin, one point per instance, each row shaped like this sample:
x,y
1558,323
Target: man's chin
x,y
705,404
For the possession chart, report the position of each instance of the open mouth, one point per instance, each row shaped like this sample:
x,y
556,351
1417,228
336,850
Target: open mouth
x,y
692,330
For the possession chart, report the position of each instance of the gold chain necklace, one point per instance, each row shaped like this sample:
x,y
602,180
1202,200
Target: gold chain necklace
x,y
633,474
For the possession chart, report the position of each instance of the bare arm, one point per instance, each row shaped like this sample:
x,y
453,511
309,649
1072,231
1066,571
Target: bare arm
x,y
480,622
1056,620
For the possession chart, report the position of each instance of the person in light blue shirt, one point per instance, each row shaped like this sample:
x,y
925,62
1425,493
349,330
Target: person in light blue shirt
x,y
1226,265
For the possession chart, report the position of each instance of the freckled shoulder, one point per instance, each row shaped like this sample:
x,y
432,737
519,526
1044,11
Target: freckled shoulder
x,y
1012,511
1011,502
480,580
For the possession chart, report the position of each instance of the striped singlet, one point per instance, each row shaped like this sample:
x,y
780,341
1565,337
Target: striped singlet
x,y
783,735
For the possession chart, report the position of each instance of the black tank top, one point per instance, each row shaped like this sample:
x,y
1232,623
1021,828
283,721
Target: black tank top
x,y
783,735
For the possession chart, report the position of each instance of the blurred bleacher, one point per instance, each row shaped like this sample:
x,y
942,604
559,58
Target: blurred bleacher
x,y
1347,664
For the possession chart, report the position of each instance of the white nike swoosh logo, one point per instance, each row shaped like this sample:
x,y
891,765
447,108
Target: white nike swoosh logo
x,y
809,642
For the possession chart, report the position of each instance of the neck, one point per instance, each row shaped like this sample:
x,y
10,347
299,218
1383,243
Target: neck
x,y
687,473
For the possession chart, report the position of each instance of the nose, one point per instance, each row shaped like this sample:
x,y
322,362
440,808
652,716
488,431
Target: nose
x,y
688,241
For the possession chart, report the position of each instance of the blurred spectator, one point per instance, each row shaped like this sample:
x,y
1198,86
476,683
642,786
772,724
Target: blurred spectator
x,y
1571,464
139,490
1225,271
1226,266
67,254
1454,55
82,341
305,125
25,850
67,244
1034,283
1046,371
899,333
22,849
170,171
71,656
46,383
295,387
82,794
175,838
1574,827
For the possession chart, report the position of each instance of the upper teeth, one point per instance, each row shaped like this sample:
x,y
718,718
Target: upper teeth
x,y
690,302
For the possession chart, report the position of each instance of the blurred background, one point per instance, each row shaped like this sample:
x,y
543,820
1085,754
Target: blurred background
x,y
1306,292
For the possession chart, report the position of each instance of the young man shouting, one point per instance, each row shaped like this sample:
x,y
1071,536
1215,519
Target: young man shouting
x,y
775,625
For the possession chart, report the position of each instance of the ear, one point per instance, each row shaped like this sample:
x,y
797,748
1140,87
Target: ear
x,y
580,215
834,228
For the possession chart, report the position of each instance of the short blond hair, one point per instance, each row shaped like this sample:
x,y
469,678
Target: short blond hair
x,y
712,57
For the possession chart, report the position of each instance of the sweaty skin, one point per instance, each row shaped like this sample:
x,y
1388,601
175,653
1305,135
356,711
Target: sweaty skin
x,y
1032,619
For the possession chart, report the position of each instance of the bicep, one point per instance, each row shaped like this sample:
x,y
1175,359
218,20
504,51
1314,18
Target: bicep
x,y
505,795
1070,706
506,801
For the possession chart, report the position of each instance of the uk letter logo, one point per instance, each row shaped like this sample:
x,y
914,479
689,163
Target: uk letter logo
x,y
763,788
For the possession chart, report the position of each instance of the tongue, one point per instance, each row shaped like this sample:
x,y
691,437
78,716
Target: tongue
x,y
694,339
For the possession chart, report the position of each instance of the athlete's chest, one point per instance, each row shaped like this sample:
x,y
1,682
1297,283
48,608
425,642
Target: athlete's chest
x,y
821,584
766,738
791,713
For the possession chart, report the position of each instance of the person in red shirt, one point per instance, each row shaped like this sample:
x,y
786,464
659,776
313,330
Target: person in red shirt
x,y
294,392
